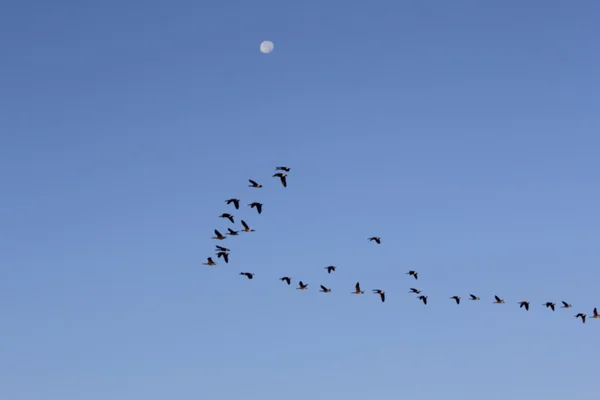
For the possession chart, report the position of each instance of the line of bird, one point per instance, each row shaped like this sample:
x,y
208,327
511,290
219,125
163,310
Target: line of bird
x,y
223,252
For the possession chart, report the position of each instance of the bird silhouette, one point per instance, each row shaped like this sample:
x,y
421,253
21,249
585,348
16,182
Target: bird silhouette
x,y
236,203
413,273
218,236
246,227
247,274
582,316
302,286
524,304
256,205
473,297
286,169
498,300
324,289
209,262
225,256
282,178
550,305
254,184
423,299
357,289
330,269
377,239
413,290
381,293
228,216
456,298
286,279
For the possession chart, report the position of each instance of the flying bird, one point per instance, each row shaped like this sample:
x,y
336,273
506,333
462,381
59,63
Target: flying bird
x,y
218,236
566,305
330,268
286,169
498,300
247,274
281,176
256,205
246,227
413,273
474,298
286,279
582,316
232,232
236,203
413,290
221,248
302,286
228,216
357,289
423,299
381,293
377,239
456,298
324,289
595,314
524,304
225,256
210,262
254,184
549,304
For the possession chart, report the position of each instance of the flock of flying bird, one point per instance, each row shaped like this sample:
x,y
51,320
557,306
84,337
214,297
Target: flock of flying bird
x,y
223,252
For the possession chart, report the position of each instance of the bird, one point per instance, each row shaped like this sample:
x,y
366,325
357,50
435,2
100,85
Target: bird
x,y
524,304
456,298
357,289
549,304
218,236
286,169
225,256
582,316
236,203
281,176
256,205
377,239
221,248
210,262
330,268
498,300
232,232
247,274
423,299
302,286
246,227
286,279
566,305
474,298
595,313
324,289
254,184
413,273
381,293
228,216
413,290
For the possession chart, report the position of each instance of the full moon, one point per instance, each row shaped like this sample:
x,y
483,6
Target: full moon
x,y
266,47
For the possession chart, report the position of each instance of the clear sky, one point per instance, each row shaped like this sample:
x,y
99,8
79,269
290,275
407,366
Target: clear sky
x,y
464,133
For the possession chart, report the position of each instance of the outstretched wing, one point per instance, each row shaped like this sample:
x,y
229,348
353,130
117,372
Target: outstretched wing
x,y
245,224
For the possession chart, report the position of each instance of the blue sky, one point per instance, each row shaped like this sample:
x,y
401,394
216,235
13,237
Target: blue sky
x,y
464,133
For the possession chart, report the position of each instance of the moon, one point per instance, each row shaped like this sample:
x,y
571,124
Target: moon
x,y
266,47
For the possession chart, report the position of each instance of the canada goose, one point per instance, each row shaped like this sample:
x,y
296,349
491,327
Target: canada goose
x,y
413,290
413,273
236,203
228,216
456,298
247,274
232,232
256,205
253,184
381,293
566,305
286,169
524,304
595,313
225,256
377,239
302,286
221,248
281,176
550,304
423,299
474,298
330,268
246,227
498,300
218,236
324,289
357,289
210,262
286,279
582,316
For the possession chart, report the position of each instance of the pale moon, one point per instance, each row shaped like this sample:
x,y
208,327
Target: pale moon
x,y
266,47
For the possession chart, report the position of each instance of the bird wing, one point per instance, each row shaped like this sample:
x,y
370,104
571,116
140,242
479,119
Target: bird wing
x,y
382,297
497,298
245,224
357,286
226,257
324,288
252,182
284,181
259,208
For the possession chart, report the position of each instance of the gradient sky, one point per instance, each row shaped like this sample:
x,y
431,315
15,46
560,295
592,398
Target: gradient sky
x,y
464,133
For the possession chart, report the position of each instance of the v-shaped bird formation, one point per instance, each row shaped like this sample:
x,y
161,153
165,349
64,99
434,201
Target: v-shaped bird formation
x,y
282,174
